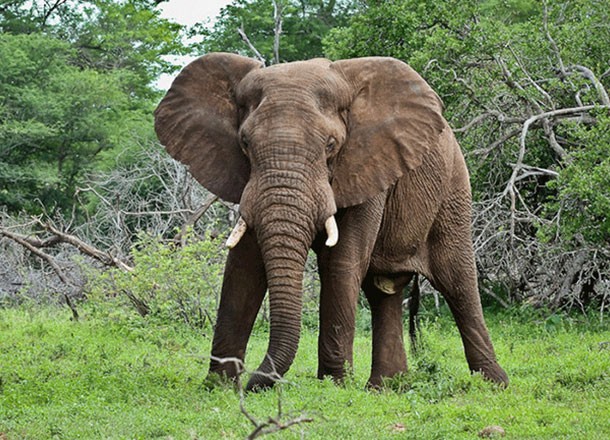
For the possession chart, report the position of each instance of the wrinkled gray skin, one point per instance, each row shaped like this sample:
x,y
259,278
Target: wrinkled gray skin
x,y
295,143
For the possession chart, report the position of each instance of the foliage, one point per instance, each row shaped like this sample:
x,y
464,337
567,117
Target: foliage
x,y
55,119
304,25
170,282
76,82
116,375
125,35
107,34
583,200
401,29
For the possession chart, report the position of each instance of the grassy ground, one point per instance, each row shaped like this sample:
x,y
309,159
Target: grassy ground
x,y
121,377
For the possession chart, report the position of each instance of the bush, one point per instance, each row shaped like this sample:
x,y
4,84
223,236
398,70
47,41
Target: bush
x,y
583,201
169,281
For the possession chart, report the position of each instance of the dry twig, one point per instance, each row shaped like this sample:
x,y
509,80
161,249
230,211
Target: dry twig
x,y
271,424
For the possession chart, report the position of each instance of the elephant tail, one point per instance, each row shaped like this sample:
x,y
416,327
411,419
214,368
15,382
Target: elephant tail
x,y
413,310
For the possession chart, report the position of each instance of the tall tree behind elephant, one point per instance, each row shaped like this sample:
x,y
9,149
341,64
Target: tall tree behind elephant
x,y
305,24
350,158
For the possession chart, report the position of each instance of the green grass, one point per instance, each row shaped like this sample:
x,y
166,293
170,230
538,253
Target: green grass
x,y
118,376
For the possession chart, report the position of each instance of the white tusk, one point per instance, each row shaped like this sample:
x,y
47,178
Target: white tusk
x,y
332,230
237,233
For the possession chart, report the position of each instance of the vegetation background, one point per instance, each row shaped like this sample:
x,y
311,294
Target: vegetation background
x,y
94,215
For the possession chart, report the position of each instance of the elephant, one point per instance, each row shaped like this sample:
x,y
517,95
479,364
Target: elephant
x,y
352,159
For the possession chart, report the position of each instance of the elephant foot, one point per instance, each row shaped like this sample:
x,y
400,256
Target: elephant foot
x,y
260,381
379,380
228,367
224,371
494,373
337,374
216,380
374,383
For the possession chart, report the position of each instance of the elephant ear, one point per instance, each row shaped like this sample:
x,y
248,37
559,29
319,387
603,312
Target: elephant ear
x,y
197,122
394,119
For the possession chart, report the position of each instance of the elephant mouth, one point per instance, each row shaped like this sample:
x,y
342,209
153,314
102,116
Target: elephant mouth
x,y
330,225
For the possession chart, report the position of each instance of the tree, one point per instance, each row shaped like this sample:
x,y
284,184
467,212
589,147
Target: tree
x,y
76,90
55,119
304,25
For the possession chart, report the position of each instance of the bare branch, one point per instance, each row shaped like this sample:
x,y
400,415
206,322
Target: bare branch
x,y
28,244
554,47
471,92
531,81
588,74
87,249
550,135
194,218
49,9
553,114
273,423
277,16
534,119
510,82
537,171
484,152
33,244
244,37
496,297
477,120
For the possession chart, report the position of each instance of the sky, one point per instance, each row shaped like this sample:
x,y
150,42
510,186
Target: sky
x,y
188,12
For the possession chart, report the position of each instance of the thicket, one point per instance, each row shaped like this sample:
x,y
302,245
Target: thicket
x,y
524,84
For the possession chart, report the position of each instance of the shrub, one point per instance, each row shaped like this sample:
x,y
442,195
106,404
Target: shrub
x,y
169,281
583,201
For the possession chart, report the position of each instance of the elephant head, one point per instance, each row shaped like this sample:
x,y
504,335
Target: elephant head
x,y
292,144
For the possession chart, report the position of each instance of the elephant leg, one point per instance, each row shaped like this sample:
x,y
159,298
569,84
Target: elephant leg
x,y
342,269
243,290
338,301
385,295
453,273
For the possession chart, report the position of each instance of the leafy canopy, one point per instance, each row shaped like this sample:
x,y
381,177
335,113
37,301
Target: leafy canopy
x,y
76,89
304,25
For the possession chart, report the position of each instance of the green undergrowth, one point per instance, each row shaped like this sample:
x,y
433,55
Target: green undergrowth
x,y
115,375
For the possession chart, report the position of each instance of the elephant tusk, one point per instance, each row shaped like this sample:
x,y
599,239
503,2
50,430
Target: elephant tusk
x,y
237,233
332,230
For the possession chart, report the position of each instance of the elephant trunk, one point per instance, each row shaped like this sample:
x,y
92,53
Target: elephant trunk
x,y
285,281
286,225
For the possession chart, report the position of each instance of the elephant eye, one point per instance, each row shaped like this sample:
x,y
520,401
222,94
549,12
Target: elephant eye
x,y
244,141
330,144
